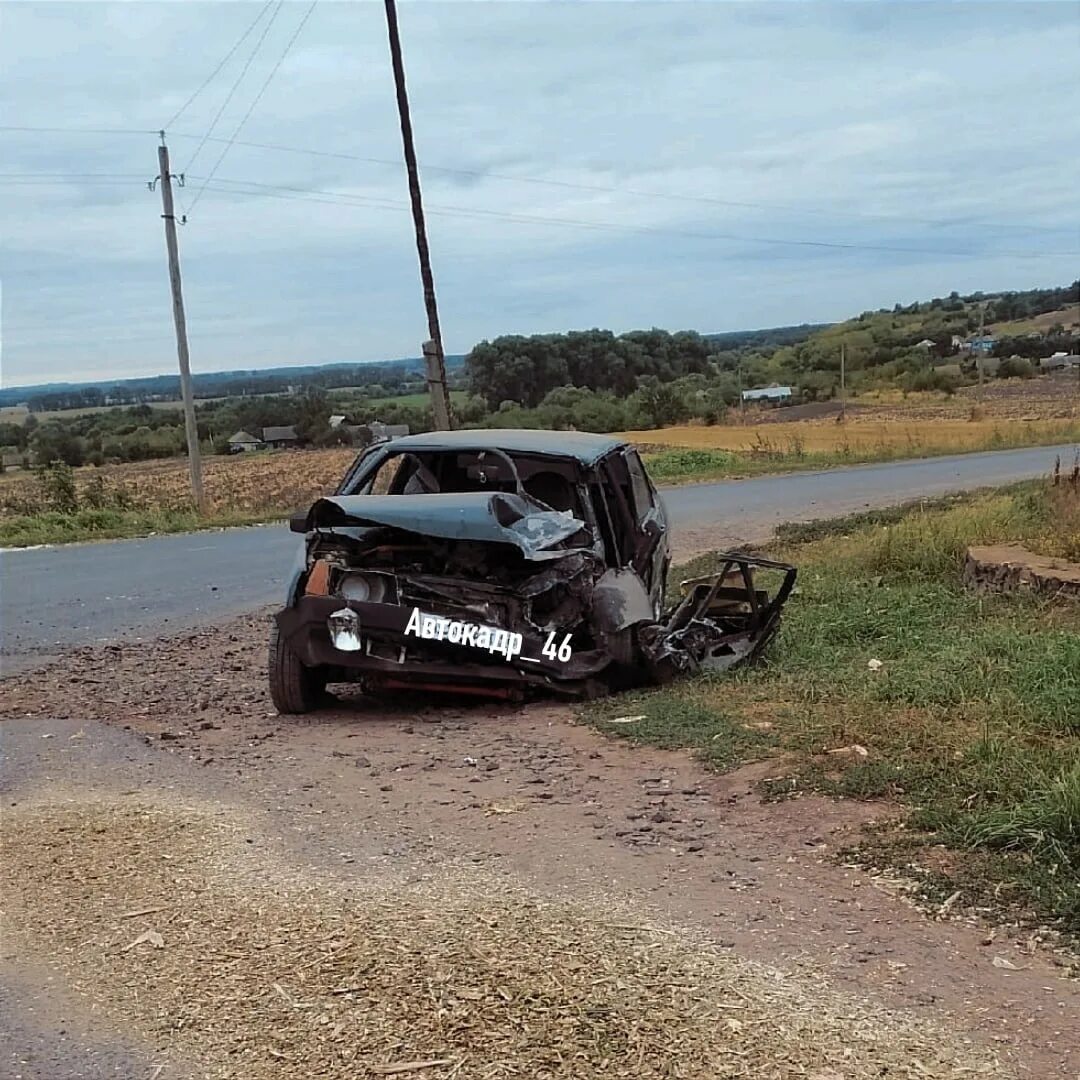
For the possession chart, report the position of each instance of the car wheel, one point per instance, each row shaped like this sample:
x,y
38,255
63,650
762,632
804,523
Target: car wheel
x,y
622,647
294,687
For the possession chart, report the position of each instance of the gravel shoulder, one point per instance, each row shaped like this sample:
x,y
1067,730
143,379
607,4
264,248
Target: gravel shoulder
x,y
527,799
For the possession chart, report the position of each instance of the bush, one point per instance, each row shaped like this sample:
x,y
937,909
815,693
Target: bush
x,y
1015,367
56,482
930,379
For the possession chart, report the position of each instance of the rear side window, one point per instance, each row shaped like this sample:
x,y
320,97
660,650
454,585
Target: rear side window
x,y
639,485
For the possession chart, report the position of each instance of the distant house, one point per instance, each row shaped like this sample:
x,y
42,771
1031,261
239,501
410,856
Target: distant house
x,y
957,341
376,432
1059,362
243,441
772,394
981,344
926,343
280,437
337,421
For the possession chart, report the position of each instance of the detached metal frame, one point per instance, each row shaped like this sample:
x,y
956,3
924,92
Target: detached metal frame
x,y
757,626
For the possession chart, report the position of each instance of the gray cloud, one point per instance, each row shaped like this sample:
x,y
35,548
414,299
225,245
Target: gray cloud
x,y
946,128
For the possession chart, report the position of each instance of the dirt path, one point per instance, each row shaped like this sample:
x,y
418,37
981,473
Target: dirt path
x,y
528,794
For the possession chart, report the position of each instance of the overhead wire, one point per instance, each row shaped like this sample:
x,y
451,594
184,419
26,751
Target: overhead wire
x,y
235,85
67,176
213,74
615,190
258,97
77,130
346,198
228,186
483,174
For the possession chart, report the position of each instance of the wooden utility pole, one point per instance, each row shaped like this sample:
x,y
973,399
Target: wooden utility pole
x,y
190,427
843,385
436,365
435,374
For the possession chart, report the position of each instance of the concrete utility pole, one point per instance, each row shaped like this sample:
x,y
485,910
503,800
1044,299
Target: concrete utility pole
x,y
843,386
979,346
436,366
194,460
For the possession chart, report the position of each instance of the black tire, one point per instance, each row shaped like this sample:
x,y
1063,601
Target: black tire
x,y
294,687
622,647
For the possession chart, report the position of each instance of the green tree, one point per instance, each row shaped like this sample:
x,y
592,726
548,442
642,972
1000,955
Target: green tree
x,y
55,442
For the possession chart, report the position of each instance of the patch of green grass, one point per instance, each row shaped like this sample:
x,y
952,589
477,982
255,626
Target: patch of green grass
x,y
53,527
677,717
971,719
804,532
670,466
419,401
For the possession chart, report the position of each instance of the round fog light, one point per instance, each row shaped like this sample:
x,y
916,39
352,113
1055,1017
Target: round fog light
x,y
344,627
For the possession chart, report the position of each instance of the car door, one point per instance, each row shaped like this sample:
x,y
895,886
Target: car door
x,y
652,551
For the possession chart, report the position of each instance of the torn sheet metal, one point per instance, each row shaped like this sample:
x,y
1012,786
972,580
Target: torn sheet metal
x,y
723,620
492,517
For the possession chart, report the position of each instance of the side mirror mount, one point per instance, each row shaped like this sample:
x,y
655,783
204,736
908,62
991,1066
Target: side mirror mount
x,y
298,521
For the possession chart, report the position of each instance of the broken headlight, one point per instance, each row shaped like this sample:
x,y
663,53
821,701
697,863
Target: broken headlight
x,y
366,587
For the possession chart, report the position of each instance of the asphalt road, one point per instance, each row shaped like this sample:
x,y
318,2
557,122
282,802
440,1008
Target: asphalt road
x,y
54,597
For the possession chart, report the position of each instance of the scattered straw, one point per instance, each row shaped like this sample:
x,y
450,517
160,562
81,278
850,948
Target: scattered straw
x,y
260,976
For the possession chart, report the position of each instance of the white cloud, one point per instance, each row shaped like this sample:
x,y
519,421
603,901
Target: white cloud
x,y
815,117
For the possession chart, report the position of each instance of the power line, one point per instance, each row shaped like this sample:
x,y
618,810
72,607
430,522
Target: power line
x,y
347,199
235,85
69,176
338,198
258,97
228,56
547,182
78,130
65,181
613,190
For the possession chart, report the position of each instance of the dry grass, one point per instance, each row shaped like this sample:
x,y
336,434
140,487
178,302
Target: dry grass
x,y
861,435
261,975
1061,536
1007,412
1069,317
247,483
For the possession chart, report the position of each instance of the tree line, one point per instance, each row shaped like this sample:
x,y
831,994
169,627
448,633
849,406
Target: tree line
x,y
590,380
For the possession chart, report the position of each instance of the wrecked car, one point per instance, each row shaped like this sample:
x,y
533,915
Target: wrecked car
x,y
492,562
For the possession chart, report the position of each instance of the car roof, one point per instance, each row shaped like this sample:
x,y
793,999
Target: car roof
x,y
581,445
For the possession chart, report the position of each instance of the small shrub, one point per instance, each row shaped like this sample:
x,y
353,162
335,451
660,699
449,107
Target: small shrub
x,y
56,482
1015,367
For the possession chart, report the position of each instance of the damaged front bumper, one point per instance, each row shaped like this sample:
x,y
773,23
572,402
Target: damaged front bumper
x,y
391,650
724,619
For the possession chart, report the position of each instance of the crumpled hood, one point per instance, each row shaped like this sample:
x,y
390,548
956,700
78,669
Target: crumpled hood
x,y
489,517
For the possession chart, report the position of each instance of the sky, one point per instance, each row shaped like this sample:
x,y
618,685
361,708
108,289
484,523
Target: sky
x,y
710,166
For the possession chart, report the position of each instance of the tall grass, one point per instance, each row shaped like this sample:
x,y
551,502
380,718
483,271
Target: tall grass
x,y
1047,824
971,718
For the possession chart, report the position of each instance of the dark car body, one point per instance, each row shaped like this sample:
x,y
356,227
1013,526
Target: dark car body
x,y
493,561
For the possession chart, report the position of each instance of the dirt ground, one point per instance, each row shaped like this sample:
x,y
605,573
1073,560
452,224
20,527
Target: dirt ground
x,y
525,797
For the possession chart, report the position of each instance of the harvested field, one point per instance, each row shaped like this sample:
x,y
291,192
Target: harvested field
x,y
173,921
864,432
1068,317
271,482
1004,413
